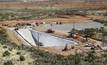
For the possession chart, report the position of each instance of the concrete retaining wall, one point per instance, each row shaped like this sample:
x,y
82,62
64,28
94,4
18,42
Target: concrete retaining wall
x,y
48,40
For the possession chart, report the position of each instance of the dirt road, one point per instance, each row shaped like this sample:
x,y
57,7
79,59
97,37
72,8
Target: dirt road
x,y
71,19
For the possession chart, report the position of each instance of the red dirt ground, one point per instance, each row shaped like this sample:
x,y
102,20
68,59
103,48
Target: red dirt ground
x,y
57,5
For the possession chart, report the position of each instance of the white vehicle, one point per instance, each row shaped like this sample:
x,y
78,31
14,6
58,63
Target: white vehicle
x,y
89,45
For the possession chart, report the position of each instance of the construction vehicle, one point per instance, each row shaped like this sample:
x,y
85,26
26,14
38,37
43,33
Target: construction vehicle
x,y
50,31
60,23
66,48
28,24
89,45
4,24
72,35
16,29
98,47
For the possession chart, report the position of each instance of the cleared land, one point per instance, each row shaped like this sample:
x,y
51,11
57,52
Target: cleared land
x,y
63,28
61,18
64,19
54,5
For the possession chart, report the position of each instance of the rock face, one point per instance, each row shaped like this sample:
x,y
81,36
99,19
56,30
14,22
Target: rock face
x,y
52,0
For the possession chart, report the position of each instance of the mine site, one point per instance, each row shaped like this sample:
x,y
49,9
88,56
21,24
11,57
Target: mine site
x,y
53,32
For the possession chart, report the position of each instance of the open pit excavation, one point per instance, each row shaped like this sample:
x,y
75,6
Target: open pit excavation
x,y
31,37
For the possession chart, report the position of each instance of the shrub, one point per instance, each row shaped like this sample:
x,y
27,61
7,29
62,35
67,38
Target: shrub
x,y
18,53
41,54
77,58
46,61
36,64
2,41
97,20
82,62
59,57
13,43
92,51
22,45
10,49
8,62
101,30
31,49
22,58
90,31
6,53
47,52
19,47
4,46
25,7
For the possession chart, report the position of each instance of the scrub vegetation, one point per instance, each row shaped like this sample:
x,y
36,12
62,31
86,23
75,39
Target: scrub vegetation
x,y
40,57
94,33
35,14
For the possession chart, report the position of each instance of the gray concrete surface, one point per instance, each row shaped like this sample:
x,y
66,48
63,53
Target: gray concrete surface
x,y
48,40
68,27
26,36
